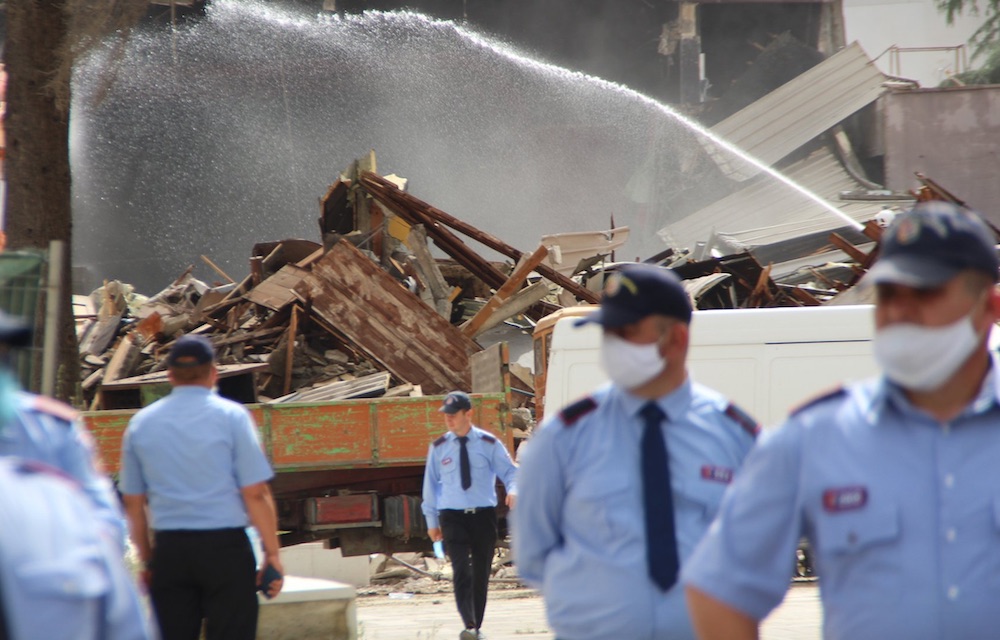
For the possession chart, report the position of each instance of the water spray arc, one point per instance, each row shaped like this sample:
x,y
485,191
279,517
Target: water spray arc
x,y
223,133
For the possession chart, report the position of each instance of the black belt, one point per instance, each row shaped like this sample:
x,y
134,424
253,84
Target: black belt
x,y
205,533
469,510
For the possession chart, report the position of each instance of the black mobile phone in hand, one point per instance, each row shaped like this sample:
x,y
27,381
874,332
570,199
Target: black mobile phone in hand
x,y
270,575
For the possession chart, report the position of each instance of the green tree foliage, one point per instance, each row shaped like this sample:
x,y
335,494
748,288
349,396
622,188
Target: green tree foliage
x,y
986,39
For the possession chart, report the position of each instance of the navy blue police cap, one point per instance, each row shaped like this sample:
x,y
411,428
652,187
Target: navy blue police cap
x,y
931,244
191,351
639,290
14,332
456,401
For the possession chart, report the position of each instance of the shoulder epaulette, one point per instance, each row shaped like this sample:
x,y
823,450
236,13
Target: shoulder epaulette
x,y
440,441
577,410
742,418
52,407
829,394
32,467
488,438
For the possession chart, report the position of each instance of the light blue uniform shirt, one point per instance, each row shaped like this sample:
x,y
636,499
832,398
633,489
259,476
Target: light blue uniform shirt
x,y
579,525
488,460
902,513
191,453
46,430
61,576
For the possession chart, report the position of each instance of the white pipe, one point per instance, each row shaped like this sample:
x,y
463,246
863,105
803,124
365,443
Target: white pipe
x,y
50,346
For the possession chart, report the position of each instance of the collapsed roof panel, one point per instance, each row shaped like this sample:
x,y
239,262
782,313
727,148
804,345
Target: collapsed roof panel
x,y
768,211
798,111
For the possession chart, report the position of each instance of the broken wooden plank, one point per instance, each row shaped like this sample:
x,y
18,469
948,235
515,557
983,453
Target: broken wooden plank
x,y
410,340
520,302
278,291
100,335
416,240
509,288
123,361
490,373
217,269
380,188
844,245
293,329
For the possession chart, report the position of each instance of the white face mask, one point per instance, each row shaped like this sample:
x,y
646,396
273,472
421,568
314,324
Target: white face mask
x,y
922,358
630,365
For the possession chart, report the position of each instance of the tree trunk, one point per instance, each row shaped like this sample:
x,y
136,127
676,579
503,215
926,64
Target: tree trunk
x,y
37,207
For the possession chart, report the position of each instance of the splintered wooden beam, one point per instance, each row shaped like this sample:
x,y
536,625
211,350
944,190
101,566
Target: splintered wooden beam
x,y
509,288
417,242
381,189
293,328
853,252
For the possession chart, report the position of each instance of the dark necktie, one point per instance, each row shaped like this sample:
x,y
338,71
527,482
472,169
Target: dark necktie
x,y
661,542
463,463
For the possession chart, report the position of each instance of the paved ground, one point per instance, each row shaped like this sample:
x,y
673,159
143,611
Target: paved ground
x,y
519,614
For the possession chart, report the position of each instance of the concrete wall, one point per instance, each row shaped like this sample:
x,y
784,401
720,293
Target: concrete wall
x,y
313,560
879,24
950,135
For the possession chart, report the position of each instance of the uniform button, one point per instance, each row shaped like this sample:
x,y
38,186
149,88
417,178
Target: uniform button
x,y
69,586
949,480
953,593
950,535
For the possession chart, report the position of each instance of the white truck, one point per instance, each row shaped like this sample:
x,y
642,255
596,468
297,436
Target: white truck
x,y
765,360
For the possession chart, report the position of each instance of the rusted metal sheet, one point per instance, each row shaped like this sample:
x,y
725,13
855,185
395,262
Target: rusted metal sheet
x,y
388,322
277,291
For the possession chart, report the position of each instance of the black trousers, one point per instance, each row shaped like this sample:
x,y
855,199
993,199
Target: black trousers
x,y
208,575
470,540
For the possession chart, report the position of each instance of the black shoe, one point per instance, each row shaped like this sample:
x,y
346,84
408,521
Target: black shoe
x,y
468,634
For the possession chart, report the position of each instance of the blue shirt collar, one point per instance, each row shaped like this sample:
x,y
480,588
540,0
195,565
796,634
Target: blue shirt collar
x,y
191,389
673,404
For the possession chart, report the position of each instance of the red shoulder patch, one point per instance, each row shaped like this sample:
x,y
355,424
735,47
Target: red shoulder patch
x,y
821,397
53,407
572,413
742,418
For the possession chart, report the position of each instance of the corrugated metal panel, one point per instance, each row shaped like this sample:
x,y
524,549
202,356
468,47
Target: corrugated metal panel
x,y
798,111
768,210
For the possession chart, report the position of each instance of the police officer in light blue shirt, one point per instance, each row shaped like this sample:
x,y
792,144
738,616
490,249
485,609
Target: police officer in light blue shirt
x,y
459,502
39,428
193,471
61,576
617,489
895,481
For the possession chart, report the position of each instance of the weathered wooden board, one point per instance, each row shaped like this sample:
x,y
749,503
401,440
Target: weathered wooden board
x,y
277,291
388,322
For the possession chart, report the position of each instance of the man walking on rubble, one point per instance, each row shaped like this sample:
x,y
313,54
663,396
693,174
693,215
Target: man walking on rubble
x,y
895,480
193,461
459,504
618,487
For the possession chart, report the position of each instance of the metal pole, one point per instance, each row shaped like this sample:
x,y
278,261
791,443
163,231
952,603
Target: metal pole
x,y
53,289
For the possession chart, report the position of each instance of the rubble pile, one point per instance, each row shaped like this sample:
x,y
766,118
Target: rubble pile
x,y
368,311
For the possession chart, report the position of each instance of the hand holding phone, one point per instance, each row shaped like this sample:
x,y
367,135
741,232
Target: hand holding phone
x,y
270,575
